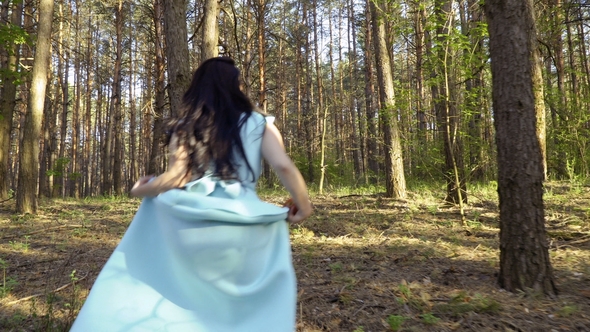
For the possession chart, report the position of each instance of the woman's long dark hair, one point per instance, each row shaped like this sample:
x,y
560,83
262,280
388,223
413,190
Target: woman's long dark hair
x,y
210,121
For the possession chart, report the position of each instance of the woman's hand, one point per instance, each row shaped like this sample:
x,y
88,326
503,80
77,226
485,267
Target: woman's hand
x,y
295,214
175,176
136,190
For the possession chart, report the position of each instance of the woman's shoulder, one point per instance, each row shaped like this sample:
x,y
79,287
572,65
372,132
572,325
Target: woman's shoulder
x,y
255,123
256,118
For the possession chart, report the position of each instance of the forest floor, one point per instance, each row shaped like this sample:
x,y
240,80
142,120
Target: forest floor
x,y
363,262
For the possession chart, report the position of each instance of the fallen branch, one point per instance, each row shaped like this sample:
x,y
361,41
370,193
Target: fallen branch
x,y
580,241
41,294
567,235
6,200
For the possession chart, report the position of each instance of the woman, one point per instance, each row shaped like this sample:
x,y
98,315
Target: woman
x,y
203,252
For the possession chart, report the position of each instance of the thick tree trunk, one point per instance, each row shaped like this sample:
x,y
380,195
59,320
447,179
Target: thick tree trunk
x,y
524,252
179,75
26,196
209,48
394,165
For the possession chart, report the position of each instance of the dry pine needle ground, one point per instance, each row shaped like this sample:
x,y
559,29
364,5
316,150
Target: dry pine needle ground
x,y
363,262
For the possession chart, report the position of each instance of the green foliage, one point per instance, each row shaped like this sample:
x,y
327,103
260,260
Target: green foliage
x,y
16,319
12,35
568,310
395,322
405,290
59,167
8,283
53,318
20,246
462,303
429,319
428,161
336,267
21,218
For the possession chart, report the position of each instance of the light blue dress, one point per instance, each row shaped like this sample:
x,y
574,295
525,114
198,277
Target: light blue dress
x,y
211,257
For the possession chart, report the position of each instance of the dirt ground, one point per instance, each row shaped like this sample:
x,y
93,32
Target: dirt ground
x,y
364,263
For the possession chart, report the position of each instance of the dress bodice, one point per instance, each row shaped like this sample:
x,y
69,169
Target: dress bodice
x,y
251,135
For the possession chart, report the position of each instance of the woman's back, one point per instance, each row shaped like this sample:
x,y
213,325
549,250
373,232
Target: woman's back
x,y
206,255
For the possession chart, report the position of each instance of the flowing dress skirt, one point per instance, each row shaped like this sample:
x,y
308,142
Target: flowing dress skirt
x,y
197,261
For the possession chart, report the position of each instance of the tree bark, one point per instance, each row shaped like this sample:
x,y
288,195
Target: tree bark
x,y
75,177
524,252
372,153
175,30
210,30
133,167
158,131
116,100
474,88
26,196
89,138
59,167
419,18
355,142
394,165
8,103
448,118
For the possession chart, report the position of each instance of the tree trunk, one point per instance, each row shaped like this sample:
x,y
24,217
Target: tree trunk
x,y
419,18
116,113
179,75
8,103
47,144
395,179
89,138
26,196
59,169
474,87
524,252
160,85
372,153
335,102
133,168
356,143
261,11
210,30
75,177
446,111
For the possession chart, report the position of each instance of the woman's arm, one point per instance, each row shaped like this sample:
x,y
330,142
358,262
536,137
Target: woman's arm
x,y
273,151
175,176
